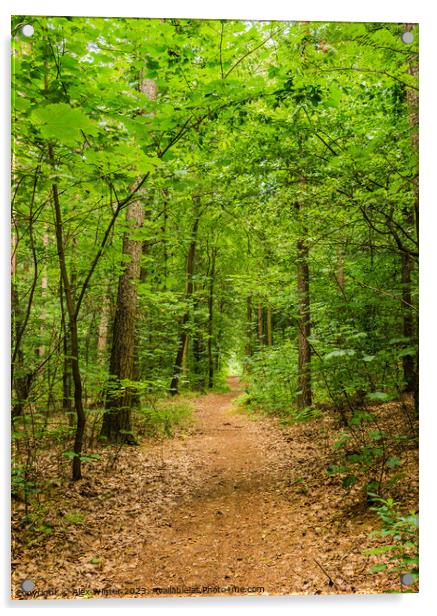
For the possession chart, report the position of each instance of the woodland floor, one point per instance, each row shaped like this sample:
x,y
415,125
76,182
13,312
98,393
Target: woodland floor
x,y
236,502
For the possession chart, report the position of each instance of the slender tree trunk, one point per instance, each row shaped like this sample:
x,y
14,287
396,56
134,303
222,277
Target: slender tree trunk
x,y
102,334
21,382
269,331
183,337
211,320
198,349
304,397
165,239
66,368
72,323
44,283
408,322
249,326
260,325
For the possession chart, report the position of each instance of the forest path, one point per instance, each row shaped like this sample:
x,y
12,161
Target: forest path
x,y
237,501
217,537
251,521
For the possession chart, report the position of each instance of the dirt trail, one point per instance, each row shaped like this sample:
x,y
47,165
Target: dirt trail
x,y
217,537
236,502
251,522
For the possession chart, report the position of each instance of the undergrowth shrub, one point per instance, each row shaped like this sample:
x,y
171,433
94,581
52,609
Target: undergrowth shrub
x,y
401,555
164,417
365,454
272,380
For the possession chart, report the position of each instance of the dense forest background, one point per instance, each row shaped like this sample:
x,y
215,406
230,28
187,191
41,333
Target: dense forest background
x,y
193,199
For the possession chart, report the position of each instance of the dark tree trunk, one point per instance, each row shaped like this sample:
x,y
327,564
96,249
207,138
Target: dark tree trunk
x,y
22,381
66,368
165,239
211,320
339,274
269,330
72,326
183,337
304,397
260,325
198,351
408,322
249,326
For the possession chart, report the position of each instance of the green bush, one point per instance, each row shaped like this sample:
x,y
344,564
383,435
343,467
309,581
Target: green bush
x,y
364,455
272,380
401,556
164,417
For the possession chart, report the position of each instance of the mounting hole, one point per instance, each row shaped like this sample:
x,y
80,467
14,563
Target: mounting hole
x,y
407,579
28,30
27,585
407,38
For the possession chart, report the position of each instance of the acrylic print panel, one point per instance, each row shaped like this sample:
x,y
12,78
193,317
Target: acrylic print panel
x,y
214,297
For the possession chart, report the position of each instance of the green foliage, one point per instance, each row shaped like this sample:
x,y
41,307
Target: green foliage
x,y
401,556
90,457
22,486
363,454
63,124
165,417
272,379
74,518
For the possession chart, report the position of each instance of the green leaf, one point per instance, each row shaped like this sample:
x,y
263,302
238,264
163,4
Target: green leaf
x,y
339,353
69,454
64,124
344,438
349,481
393,462
379,396
381,550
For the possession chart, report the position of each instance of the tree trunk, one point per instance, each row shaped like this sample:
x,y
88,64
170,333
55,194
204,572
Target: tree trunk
x,y
304,396
136,372
249,321
408,324
102,335
21,382
260,326
269,331
116,424
44,284
183,337
72,323
210,320
339,274
198,380
66,368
